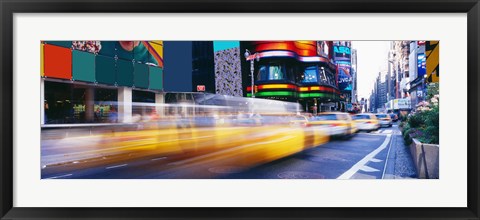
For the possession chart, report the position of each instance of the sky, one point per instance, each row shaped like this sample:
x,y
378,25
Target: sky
x,y
371,58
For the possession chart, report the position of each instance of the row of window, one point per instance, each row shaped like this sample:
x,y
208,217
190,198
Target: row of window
x,y
307,74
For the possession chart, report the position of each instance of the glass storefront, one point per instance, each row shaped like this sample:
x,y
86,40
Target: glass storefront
x,y
142,104
68,103
106,107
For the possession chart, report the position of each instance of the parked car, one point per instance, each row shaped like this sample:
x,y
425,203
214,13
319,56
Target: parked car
x,y
385,120
366,122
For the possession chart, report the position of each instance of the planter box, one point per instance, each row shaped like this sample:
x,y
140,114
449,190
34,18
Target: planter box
x,y
425,157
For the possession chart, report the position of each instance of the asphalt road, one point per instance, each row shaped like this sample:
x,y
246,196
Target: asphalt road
x,y
363,156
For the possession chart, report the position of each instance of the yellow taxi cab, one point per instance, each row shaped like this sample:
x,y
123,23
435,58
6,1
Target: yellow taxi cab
x,y
337,123
366,122
299,120
384,120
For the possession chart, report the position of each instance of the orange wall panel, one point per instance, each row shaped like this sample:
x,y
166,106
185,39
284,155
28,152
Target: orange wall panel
x,y
57,62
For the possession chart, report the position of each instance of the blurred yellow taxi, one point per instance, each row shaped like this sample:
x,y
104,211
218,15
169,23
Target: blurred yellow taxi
x,y
337,123
385,120
299,120
366,122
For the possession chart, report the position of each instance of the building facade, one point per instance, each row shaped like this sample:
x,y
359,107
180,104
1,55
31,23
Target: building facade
x,y
417,71
401,53
295,71
354,76
96,81
378,97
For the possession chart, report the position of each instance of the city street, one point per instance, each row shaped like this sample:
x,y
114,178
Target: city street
x,y
363,156
239,109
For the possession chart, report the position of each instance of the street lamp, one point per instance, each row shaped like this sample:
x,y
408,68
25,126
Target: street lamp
x,y
252,60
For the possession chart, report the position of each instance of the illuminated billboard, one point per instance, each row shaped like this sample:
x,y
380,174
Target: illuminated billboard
x,y
147,52
344,76
421,64
342,53
136,64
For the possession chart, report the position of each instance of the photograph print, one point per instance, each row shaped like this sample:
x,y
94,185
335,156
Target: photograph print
x,y
239,109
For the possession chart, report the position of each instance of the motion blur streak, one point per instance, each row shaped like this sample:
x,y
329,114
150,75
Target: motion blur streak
x,y
240,140
235,146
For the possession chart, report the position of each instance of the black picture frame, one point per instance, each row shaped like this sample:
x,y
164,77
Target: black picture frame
x,y
9,7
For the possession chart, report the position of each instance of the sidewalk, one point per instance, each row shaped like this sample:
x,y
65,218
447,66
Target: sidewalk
x,y
399,162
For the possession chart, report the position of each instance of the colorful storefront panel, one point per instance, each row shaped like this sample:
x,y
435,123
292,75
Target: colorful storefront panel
x,y
83,66
105,48
140,75
105,70
124,73
65,44
147,52
156,78
57,62
153,53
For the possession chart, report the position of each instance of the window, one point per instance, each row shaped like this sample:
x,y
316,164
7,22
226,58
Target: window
x,y
276,72
262,73
323,76
381,116
309,74
271,72
326,117
357,117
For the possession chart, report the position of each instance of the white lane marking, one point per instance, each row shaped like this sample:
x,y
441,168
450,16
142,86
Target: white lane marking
x,y
117,166
386,160
387,132
56,177
355,168
368,169
160,158
375,134
375,160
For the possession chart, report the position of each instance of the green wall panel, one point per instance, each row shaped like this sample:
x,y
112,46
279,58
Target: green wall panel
x,y
108,48
122,53
67,44
105,70
125,73
140,75
156,78
83,66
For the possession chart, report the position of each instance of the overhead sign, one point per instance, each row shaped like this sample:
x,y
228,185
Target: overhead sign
x,y
404,104
200,88
340,49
